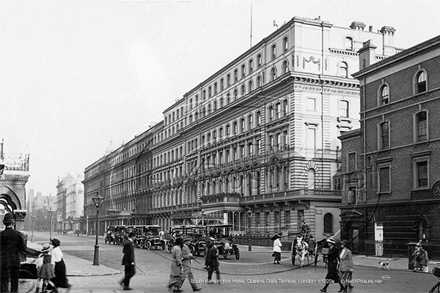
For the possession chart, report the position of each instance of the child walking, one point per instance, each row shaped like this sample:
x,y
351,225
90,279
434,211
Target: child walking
x,y
46,270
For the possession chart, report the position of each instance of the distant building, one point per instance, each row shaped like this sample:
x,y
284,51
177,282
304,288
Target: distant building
x,y
254,145
391,181
70,199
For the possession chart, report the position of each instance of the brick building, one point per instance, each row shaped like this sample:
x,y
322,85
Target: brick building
x,y
391,181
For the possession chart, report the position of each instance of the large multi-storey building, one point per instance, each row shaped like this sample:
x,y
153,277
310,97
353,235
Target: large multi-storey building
x,y
391,191
254,145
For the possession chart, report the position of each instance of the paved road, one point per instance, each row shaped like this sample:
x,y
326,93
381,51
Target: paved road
x,y
254,272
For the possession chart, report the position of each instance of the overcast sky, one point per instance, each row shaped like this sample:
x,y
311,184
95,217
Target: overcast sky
x,y
75,75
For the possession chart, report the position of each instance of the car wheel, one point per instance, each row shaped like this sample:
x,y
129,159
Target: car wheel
x,y
237,254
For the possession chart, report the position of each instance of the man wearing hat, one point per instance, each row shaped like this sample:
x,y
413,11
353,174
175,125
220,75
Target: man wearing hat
x,y
187,258
12,244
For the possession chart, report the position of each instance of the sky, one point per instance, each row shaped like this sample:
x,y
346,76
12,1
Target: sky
x,y
77,76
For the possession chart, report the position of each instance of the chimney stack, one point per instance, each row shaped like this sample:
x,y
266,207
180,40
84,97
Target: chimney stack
x,y
367,54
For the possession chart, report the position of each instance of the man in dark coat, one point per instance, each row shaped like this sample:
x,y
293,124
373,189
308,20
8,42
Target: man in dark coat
x,y
128,261
12,244
212,262
332,267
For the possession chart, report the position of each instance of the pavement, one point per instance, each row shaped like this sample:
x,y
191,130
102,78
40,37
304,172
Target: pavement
x,y
79,267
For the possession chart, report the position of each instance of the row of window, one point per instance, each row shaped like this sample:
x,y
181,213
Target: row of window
x,y
420,85
420,130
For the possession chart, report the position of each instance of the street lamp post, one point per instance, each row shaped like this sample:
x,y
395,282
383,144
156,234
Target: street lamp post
x,y
50,222
33,222
97,200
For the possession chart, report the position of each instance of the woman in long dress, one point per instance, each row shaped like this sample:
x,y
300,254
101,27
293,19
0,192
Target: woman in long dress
x,y
176,274
332,267
60,279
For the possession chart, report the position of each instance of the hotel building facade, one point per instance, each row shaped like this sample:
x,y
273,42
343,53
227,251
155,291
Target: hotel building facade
x,y
255,145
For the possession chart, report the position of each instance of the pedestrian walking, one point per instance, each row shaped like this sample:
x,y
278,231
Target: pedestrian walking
x,y
60,279
420,259
277,249
128,261
212,262
187,258
46,271
332,267
176,274
12,243
346,266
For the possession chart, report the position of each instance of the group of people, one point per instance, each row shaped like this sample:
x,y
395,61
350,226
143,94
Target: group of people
x,y
51,271
181,264
339,266
339,262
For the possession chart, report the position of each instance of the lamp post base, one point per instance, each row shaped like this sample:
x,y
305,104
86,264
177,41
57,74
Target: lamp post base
x,y
96,257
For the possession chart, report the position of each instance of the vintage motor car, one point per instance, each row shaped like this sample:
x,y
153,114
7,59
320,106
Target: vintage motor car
x,y
224,240
109,236
155,238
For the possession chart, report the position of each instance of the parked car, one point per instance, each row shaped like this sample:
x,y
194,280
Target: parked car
x,y
224,240
109,236
155,237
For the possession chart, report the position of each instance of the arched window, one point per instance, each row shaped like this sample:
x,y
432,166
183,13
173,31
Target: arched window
x,y
311,179
259,83
221,102
251,65
209,109
243,90
274,51
286,44
384,95
228,98
328,223
273,73
215,105
285,67
235,94
349,43
251,85
343,69
249,184
421,85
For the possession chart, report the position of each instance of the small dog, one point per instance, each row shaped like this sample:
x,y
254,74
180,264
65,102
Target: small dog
x,y
384,265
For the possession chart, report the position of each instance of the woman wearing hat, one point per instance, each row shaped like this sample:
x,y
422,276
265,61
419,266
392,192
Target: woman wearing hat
x,y
346,266
277,249
332,267
60,279
420,259
176,275
46,270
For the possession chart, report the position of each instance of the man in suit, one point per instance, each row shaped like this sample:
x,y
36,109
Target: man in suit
x,y
128,261
12,244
